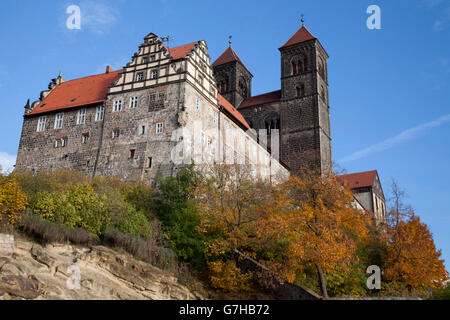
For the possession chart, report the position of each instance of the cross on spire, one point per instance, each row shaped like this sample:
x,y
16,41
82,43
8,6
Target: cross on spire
x,y
229,40
302,19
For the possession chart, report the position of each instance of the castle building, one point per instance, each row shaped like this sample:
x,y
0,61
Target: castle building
x,y
161,112
170,107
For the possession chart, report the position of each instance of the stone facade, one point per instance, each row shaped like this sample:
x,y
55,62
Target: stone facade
x,y
161,112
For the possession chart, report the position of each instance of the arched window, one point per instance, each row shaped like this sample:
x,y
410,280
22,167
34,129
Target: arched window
x,y
321,69
299,64
300,90
243,87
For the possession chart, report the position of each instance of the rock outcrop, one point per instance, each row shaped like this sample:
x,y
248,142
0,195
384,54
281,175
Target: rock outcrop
x,y
61,271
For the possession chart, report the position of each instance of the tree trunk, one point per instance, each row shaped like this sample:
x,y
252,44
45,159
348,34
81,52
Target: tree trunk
x,y
322,282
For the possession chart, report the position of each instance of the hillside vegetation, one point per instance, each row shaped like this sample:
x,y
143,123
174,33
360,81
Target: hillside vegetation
x,y
303,231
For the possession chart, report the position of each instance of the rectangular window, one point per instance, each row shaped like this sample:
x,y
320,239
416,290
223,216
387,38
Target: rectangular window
x,y
117,105
100,113
152,97
41,123
81,116
57,143
116,133
152,58
142,130
63,142
159,127
59,120
149,162
203,138
162,96
198,104
154,74
133,102
132,153
140,76
85,138
144,59
216,117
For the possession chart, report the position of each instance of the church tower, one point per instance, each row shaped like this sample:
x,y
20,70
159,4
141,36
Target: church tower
x,y
234,81
305,112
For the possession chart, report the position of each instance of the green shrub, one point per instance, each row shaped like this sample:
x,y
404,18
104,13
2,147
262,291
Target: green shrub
x,y
442,294
176,207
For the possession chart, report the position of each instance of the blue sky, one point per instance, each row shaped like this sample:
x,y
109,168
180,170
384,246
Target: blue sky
x,y
389,88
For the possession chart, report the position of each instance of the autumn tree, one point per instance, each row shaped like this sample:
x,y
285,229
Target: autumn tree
x,y
12,200
319,225
230,201
411,260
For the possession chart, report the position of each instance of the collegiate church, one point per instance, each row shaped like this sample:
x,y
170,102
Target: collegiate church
x,y
170,106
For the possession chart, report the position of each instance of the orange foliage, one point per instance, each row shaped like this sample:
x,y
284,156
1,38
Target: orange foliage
x,y
411,257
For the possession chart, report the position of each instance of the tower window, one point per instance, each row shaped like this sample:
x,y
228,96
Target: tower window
x,y
142,130
132,153
300,90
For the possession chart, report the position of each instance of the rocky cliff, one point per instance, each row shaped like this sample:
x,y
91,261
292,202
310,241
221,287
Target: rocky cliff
x,y
67,272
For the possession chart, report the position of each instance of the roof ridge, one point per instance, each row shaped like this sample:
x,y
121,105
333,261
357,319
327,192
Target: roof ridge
x,y
92,75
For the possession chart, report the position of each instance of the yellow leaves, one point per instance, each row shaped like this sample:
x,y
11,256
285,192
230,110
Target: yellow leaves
x,y
227,277
12,199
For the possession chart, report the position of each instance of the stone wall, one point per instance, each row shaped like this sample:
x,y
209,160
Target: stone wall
x,y
6,245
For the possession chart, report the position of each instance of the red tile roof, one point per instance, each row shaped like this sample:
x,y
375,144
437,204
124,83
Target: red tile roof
x,y
229,107
182,51
228,56
301,35
261,99
359,179
78,92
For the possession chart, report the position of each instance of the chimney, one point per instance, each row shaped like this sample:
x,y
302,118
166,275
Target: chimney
x,y
109,69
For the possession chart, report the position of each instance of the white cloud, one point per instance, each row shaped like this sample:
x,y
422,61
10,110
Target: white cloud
x,y
401,137
98,16
7,161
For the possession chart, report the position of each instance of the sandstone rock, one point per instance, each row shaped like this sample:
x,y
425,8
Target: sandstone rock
x,y
43,273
